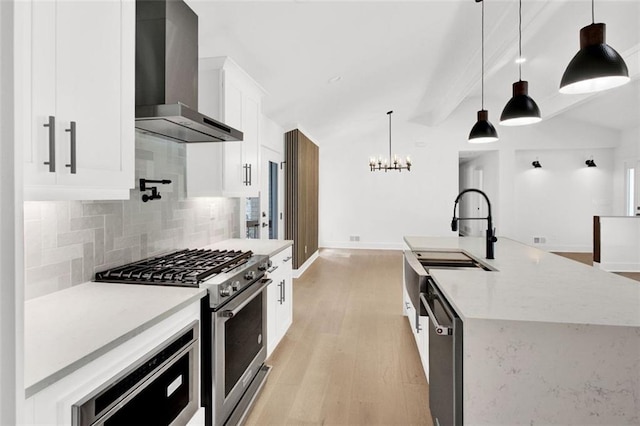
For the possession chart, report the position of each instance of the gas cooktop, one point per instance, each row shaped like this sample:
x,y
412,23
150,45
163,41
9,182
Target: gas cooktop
x,y
184,268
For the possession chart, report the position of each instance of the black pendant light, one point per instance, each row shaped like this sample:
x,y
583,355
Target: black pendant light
x,y
521,108
597,66
483,131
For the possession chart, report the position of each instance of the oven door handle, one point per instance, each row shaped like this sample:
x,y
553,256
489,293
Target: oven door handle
x,y
231,313
441,330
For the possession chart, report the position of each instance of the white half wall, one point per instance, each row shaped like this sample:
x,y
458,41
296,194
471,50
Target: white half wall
x,y
620,243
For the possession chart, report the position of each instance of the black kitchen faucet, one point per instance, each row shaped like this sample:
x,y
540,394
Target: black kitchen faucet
x,y
490,238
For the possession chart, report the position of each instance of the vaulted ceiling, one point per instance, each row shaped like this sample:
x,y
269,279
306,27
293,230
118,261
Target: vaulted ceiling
x,y
327,64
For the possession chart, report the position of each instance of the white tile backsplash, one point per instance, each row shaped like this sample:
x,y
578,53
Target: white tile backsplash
x,y
67,242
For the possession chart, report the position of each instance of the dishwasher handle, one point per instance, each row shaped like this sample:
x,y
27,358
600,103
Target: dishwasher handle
x,y
441,330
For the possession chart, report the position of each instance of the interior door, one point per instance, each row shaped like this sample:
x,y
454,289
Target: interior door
x,y
271,194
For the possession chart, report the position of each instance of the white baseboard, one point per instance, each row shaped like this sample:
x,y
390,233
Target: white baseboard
x,y
362,245
619,266
297,273
563,248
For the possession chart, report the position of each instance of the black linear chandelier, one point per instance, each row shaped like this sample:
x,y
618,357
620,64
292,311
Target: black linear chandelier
x,y
392,163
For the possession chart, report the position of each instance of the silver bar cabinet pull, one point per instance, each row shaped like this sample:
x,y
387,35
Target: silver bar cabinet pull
x,y
72,130
52,144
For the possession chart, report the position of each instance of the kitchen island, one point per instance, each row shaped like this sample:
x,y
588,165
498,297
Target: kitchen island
x,y
546,340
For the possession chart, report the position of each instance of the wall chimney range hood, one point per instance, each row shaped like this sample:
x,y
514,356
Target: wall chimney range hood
x,y
167,75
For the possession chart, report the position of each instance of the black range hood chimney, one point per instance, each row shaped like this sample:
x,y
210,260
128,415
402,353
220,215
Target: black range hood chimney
x,y
167,75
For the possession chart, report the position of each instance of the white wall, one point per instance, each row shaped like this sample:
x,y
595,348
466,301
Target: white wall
x,y
381,207
558,201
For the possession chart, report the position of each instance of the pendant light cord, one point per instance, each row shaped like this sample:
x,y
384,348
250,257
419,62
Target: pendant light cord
x,y
520,41
482,54
390,159
593,14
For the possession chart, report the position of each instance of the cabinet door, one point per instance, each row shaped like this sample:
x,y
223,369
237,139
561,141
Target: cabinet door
x,y
250,145
287,304
234,172
39,40
273,308
80,70
286,312
94,69
424,344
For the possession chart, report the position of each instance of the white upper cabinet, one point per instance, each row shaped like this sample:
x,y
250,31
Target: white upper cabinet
x,y
230,169
78,65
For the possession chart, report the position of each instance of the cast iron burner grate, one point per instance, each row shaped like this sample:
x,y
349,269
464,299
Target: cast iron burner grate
x,y
185,268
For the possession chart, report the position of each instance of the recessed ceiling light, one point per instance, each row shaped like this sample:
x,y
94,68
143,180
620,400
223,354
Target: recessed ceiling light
x,y
334,79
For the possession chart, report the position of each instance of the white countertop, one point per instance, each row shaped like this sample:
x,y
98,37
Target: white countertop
x,y
68,329
532,285
268,247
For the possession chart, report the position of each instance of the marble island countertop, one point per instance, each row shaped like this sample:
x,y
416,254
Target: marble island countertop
x,y
532,285
546,340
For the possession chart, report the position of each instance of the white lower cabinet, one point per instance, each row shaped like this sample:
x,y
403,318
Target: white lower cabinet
x,y
419,328
53,404
280,298
423,344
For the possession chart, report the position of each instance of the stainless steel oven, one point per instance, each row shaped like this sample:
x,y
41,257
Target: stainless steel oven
x,y
238,333
161,389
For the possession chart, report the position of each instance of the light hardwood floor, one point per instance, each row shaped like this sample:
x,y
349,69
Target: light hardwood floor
x,y
349,357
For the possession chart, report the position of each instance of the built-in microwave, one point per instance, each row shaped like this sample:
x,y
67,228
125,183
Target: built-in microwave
x,y
160,389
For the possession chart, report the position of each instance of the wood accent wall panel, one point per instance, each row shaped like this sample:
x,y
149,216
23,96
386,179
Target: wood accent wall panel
x,y
301,202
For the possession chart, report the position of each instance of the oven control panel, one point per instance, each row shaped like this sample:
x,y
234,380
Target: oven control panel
x,y
238,279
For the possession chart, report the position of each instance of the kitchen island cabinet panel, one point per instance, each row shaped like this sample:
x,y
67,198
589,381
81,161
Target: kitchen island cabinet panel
x,y
78,78
516,372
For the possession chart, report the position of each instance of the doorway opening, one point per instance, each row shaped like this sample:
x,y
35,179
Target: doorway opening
x,y
630,193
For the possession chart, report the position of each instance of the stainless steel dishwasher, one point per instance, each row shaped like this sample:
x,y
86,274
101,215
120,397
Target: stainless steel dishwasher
x,y
445,357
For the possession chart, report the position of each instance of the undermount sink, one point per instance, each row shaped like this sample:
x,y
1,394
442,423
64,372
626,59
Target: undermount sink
x,y
448,260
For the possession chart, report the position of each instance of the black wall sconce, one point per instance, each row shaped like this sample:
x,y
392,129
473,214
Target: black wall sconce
x,y
155,195
590,163
536,164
